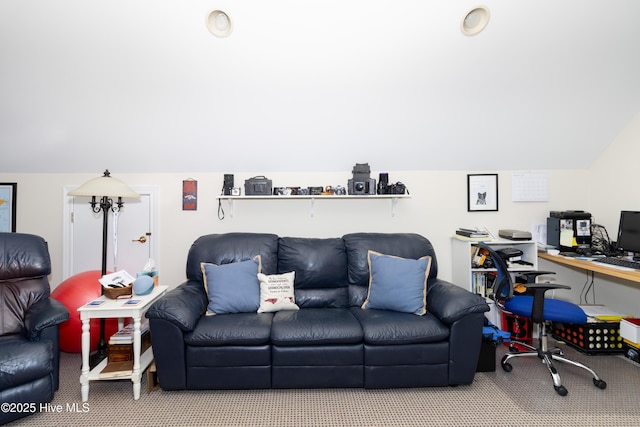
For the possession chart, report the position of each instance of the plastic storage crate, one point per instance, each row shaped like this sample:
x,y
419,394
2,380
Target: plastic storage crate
x,y
591,338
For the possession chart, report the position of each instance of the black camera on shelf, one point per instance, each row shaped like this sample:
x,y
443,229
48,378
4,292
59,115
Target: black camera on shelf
x,y
397,188
361,183
284,191
385,188
362,187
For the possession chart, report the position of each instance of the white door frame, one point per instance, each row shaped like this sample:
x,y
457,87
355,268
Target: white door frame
x,y
67,227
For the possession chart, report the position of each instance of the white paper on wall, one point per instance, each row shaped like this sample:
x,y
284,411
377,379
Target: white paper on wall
x,y
529,187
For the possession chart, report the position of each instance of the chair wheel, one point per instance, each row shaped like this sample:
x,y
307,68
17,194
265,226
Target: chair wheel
x,y
600,384
561,390
507,366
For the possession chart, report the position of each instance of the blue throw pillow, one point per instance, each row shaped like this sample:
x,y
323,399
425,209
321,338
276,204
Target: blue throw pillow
x,y
397,284
232,288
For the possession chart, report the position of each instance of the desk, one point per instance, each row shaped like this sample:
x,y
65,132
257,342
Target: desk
x,y
116,308
595,267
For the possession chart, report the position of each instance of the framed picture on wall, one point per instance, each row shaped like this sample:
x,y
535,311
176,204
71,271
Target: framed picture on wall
x,y
482,192
8,192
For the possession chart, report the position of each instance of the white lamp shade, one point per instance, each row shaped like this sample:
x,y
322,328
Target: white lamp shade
x,y
104,186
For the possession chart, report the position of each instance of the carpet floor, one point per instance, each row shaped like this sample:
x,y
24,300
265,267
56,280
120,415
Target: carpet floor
x,y
524,396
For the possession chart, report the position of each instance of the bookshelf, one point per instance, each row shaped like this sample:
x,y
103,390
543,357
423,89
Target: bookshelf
x,y
479,280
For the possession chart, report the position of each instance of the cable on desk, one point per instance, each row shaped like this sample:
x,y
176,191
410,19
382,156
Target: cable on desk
x,y
588,286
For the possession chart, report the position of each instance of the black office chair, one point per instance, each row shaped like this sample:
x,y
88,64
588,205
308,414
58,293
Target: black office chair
x,y
540,310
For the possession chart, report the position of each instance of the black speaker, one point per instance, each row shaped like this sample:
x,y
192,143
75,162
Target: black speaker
x,y
228,184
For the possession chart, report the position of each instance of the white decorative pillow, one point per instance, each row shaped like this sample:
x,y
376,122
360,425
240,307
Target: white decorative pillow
x,y
277,292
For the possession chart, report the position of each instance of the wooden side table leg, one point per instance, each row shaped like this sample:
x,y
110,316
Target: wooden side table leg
x,y
86,349
135,376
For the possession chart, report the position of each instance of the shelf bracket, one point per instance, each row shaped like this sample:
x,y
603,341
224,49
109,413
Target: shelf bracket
x,y
394,202
230,204
313,203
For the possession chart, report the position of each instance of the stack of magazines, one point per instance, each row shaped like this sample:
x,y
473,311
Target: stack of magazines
x,y
125,335
473,234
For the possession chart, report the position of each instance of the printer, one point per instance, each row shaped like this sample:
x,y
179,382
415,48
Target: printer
x,y
568,230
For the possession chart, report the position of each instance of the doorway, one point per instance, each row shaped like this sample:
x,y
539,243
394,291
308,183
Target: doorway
x,y
132,234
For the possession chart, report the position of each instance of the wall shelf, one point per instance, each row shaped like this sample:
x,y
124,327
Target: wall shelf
x,y
393,197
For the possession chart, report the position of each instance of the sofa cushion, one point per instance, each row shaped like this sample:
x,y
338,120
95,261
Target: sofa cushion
x,y
405,245
397,284
232,247
315,326
232,288
231,329
384,327
321,270
23,361
276,292
24,267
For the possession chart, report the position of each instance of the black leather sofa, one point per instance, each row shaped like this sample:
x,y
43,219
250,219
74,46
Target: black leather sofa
x,y
331,341
29,355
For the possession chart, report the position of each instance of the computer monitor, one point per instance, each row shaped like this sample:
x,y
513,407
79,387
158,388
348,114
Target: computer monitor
x,y
629,232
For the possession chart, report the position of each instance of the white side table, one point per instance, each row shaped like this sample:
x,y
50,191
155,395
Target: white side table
x,y
117,308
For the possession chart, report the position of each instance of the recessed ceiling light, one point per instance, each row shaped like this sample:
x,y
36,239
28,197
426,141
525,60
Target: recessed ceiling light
x,y
219,23
475,20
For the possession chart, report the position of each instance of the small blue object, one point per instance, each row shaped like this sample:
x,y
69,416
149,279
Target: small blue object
x,y
492,333
143,285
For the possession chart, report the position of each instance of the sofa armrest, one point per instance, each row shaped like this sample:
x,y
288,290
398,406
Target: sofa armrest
x,y
43,314
451,303
182,306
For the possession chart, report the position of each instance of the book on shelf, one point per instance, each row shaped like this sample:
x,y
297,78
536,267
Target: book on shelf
x,y
120,351
472,239
125,335
470,232
117,369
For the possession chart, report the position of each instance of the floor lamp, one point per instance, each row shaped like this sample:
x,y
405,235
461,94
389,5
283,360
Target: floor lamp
x,y
102,191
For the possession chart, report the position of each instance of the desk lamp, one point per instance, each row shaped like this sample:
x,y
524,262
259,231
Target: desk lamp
x,y
102,191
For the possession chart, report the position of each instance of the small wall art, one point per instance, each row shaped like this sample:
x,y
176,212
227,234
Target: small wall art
x,y
482,192
189,195
8,192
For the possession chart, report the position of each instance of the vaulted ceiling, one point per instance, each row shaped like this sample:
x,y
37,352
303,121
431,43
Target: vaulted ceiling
x,y
308,85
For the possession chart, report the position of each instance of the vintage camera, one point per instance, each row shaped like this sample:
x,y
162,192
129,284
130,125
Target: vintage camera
x,y
303,191
315,191
361,183
397,188
227,185
286,191
236,191
339,190
385,188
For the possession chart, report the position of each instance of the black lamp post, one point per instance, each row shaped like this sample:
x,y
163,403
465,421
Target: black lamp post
x,y
102,191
